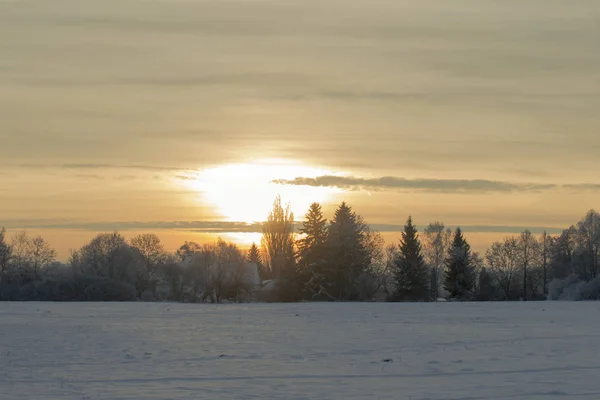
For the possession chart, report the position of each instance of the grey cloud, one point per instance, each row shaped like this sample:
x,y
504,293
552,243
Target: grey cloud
x,y
198,226
253,79
91,166
185,178
217,227
582,186
495,93
90,176
436,185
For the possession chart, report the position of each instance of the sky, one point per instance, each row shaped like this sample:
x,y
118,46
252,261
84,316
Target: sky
x,y
186,117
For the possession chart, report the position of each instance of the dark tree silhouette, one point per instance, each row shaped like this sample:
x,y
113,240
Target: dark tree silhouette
x,y
348,255
312,252
5,251
460,274
412,276
254,256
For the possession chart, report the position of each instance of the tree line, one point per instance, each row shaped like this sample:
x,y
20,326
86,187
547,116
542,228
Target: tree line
x,y
336,259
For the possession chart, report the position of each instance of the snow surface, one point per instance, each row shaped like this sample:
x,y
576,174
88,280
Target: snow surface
x,y
545,350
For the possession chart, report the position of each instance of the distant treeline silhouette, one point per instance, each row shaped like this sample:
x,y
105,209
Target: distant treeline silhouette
x,y
340,259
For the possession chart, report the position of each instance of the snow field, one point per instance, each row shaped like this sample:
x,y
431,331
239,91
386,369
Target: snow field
x,y
543,350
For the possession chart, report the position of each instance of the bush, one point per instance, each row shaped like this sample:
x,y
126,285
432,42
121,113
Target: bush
x,y
574,289
107,290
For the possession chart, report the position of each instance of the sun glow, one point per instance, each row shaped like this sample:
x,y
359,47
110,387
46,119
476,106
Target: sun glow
x,y
245,192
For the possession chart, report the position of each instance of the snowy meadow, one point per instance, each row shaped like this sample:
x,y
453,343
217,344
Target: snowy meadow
x,y
534,350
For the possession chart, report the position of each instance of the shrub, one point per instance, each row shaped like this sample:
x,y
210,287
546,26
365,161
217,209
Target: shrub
x,y
107,290
574,289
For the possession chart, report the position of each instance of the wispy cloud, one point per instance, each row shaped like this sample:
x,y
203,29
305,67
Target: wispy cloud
x,y
217,227
98,166
430,185
198,226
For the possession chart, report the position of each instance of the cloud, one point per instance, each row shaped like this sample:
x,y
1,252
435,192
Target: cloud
x,y
390,182
90,176
430,185
91,166
217,227
198,226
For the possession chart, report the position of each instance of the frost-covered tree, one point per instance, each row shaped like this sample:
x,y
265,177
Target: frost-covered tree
x,y
412,282
562,250
150,248
188,249
504,264
100,257
5,251
436,241
460,274
152,253
31,253
588,244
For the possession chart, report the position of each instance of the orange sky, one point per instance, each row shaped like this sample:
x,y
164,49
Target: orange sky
x,y
163,116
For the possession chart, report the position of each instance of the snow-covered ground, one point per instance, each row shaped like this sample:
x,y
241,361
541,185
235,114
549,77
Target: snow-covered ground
x,y
300,351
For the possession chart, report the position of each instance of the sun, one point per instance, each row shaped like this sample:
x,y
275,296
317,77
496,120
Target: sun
x,y
245,192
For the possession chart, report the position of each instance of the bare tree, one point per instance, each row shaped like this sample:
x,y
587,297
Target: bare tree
x,y
5,251
562,253
213,270
239,284
436,241
545,243
588,240
503,262
528,256
204,279
31,253
99,256
188,249
278,239
20,245
386,285
173,275
478,265
153,253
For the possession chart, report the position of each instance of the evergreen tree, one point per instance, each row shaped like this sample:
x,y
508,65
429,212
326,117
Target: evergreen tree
x,y
412,275
347,254
314,235
254,257
460,274
312,251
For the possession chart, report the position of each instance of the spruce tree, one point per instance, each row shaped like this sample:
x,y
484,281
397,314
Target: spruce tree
x,y
460,274
312,253
254,257
412,274
314,235
347,255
